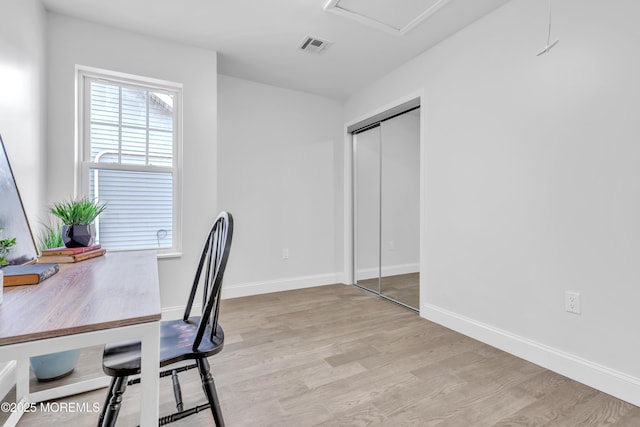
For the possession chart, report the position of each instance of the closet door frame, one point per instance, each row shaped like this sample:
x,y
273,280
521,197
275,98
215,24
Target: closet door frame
x,y
350,256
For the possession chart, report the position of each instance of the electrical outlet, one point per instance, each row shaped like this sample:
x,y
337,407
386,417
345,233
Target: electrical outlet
x,y
572,302
285,253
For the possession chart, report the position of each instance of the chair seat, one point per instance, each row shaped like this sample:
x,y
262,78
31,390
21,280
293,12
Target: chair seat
x,y
176,340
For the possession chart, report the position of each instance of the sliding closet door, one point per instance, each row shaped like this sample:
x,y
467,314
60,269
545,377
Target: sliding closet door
x,y
387,208
400,208
367,208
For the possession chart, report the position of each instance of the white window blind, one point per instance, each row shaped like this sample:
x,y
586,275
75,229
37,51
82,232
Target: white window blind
x,y
130,159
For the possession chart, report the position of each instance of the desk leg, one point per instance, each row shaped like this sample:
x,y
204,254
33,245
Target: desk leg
x,y
149,387
22,392
22,379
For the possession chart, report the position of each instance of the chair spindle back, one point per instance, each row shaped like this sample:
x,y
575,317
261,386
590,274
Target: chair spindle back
x,y
213,261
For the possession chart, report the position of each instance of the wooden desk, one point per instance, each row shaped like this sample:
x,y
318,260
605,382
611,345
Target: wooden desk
x,y
106,299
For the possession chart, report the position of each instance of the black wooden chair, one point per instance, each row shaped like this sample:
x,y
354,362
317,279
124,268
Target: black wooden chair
x,y
190,338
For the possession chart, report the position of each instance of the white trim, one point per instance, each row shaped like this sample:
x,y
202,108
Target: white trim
x,y
600,377
396,270
288,284
127,78
349,273
333,7
148,333
391,270
176,312
70,389
423,200
388,106
348,216
257,288
7,377
85,74
127,167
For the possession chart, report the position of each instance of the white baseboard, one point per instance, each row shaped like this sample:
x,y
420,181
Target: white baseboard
x,y
256,288
7,377
175,313
600,377
392,270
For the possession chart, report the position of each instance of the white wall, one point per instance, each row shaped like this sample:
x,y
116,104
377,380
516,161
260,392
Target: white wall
x,y
72,42
22,95
280,175
532,184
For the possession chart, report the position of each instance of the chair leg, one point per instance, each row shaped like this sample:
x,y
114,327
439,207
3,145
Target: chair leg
x,y
119,385
210,390
106,402
177,392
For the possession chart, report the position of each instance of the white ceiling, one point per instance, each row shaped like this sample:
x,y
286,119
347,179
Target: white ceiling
x,y
258,40
386,14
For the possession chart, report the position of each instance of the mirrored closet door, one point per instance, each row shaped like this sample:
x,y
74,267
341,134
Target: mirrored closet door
x,y
387,208
367,183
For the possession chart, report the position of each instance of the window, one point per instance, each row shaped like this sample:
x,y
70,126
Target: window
x,y
129,155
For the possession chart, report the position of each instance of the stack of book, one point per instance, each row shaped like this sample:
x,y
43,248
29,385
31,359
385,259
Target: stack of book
x,y
67,255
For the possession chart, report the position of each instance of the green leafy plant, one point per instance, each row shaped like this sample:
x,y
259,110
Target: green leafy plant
x,y
5,248
78,212
51,236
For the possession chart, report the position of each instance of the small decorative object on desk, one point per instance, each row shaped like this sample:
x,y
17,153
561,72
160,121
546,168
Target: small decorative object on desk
x,y
67,255
28,274
77,217
5,247
53,251
63,250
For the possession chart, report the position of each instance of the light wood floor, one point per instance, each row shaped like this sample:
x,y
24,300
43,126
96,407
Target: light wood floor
x,y
338,356
404,288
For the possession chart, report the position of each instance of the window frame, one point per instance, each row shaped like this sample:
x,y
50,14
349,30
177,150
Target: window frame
x,y
84,76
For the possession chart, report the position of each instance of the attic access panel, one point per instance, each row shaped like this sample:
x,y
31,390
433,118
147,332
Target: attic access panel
x,y
391,16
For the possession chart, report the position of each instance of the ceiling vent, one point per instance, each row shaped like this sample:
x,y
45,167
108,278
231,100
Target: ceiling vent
x,y
313,44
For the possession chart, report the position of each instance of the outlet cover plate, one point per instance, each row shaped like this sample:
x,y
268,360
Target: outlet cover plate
x,y
572,302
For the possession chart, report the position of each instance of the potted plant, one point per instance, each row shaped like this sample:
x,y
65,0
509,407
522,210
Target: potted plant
x,y
77,217
51,235
5,247
48,367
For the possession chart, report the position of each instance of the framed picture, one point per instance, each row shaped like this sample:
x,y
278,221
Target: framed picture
x,y
13,219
